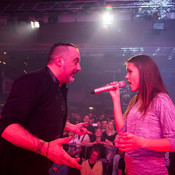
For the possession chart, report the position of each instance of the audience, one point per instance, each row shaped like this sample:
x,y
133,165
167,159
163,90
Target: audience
x,y
104,124
109,134
116,160
92,165
118,163
99,124
74,145
90,128
73,149
111,161
97,138
121,167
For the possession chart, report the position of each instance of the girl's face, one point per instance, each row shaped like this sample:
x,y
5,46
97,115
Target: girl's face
x,y
98,132
132,76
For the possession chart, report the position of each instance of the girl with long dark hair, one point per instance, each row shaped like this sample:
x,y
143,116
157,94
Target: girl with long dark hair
x,y
147,129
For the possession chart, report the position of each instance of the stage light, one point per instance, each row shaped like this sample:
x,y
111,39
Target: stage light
x,y
91,108
107,18
35,24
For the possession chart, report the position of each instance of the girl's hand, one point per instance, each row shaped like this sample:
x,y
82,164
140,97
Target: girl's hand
x,y
116,92
127,142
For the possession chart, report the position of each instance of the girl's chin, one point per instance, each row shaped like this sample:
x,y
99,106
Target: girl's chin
x,y
131,88
134,90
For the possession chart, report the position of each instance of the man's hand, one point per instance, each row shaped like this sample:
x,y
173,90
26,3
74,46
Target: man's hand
x,y
80,129
57,154
19,136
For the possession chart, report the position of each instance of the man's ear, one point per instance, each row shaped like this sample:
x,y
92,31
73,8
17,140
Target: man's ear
x,y
59,61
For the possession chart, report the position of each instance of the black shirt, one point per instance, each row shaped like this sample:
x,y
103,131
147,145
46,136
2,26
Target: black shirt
x,y
39,105
110,138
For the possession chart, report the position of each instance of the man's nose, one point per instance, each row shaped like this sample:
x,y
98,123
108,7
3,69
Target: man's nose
x,y
79,67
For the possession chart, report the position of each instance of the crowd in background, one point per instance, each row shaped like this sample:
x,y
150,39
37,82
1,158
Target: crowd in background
x,y
97,149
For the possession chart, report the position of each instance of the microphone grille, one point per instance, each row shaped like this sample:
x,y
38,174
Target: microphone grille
x,y
122,84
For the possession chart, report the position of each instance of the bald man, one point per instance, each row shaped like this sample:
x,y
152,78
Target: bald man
x,y
34,116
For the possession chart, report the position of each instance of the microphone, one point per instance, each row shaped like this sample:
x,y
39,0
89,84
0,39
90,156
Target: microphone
x,y
121,84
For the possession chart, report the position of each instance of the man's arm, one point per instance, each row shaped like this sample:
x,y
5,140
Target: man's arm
x,y
53,150
20,137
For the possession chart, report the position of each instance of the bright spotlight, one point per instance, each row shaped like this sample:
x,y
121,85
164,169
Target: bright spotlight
x,y
35,24
91,108
107,18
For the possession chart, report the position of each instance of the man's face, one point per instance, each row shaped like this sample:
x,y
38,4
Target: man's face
x,y
71,65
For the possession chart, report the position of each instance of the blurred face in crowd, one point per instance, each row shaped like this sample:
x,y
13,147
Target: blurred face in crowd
x,y
91,122
98,125
90,115
110,126
98,133
104,124
86,118
113,122
102,116
94,157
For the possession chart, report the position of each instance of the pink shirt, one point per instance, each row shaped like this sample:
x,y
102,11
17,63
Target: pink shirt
x,y
158,123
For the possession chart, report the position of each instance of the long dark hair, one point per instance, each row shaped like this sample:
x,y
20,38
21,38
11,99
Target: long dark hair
x,y
150,82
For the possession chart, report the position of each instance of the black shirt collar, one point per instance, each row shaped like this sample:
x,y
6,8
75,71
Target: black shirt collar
x,y
54,78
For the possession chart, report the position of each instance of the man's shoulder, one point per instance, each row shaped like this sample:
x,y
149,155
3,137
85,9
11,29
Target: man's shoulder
x,y
38,73
41,74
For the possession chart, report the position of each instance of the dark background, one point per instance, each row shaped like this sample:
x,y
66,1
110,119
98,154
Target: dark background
x,y
103,51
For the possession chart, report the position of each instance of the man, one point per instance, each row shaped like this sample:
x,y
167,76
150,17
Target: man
x,y
34,117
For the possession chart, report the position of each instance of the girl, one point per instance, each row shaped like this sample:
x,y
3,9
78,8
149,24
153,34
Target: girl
x,y
147,130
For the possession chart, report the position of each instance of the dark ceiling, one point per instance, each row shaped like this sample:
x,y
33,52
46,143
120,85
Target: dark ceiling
x,y
40,7
103,51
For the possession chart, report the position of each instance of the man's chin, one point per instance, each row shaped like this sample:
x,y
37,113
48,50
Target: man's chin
x,y
71,80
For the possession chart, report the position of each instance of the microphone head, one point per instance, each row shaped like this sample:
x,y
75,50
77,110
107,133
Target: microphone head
x,y
122,84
